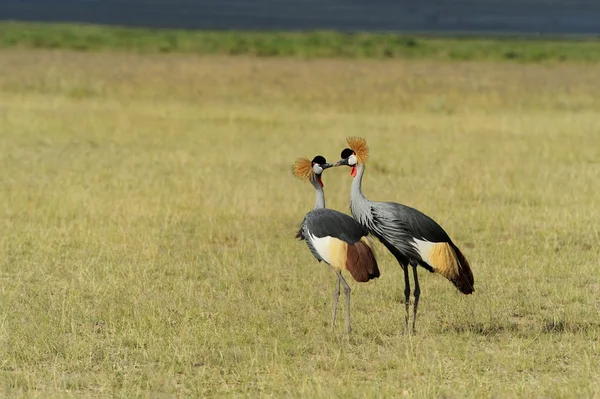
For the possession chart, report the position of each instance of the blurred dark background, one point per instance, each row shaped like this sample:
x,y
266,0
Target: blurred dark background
x,y
580,17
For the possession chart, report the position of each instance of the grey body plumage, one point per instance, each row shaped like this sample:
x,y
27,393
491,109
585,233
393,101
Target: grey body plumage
x,y
324,222
329,222
395,225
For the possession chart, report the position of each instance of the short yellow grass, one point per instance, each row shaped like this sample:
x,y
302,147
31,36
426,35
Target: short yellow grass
x,y
148,213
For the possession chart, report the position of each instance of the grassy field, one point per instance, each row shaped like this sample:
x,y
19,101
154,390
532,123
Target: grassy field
x,y
148,212
93,38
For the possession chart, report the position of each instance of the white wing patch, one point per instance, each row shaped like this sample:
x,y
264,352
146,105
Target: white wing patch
x,y
424,248
322,245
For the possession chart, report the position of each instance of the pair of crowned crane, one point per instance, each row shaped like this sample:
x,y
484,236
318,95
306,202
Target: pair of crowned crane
x,y
342,241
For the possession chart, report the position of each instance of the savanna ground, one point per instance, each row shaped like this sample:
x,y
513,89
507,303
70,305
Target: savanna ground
x,y
148,212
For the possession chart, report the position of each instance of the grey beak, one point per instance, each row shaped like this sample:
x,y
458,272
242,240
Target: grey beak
x,y
342,162
326,165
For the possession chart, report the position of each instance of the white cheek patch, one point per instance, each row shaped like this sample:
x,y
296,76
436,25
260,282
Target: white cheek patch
x,y
317,169
352,160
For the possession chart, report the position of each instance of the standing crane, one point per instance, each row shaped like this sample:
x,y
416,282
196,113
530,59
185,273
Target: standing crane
x,y
411,236
334,237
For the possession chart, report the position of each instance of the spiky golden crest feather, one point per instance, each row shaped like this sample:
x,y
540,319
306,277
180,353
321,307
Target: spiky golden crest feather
x,y
303,169
360,148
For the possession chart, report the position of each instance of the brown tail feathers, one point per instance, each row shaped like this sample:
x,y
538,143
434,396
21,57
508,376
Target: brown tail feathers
x,y
361,262
464,280
448,261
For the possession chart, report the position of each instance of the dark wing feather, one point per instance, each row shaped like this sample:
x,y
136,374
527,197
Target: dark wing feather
x,y
329,222
418,224
302,235
398,225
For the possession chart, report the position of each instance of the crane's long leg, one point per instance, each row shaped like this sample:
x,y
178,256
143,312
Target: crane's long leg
x,y
336,296
406,294
347,291
416,293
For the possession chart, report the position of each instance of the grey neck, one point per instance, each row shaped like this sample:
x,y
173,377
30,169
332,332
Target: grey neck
x,y
359,205
320,198
356,190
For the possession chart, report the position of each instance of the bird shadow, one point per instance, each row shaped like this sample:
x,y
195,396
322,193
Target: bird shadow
x,y
559,326
543,326
479,328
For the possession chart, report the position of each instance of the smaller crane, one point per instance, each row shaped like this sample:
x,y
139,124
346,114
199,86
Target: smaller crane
x,y
334,237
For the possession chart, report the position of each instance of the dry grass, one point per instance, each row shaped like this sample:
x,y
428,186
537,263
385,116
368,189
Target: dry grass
x,y
147,211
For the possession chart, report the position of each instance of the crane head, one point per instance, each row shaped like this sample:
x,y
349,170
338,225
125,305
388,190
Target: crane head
x,y
310,170
357,153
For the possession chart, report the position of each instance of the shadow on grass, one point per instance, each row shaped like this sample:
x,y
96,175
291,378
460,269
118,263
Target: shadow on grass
x,y
545,326
559,326
480,328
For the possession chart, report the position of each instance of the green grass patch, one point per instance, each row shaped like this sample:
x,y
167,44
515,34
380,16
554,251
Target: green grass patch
x,y
312,44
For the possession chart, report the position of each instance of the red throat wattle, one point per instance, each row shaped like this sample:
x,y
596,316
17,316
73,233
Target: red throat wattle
x,y
353,171
321,182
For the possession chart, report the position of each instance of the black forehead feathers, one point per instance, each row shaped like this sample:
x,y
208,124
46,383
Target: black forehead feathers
x,y
346,153
319,159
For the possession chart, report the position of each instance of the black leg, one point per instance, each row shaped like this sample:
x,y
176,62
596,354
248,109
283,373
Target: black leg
x,y
416,293
347,292
336,296
406,295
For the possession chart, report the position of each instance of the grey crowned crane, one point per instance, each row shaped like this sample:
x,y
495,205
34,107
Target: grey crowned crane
x,y
411,236
334,237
